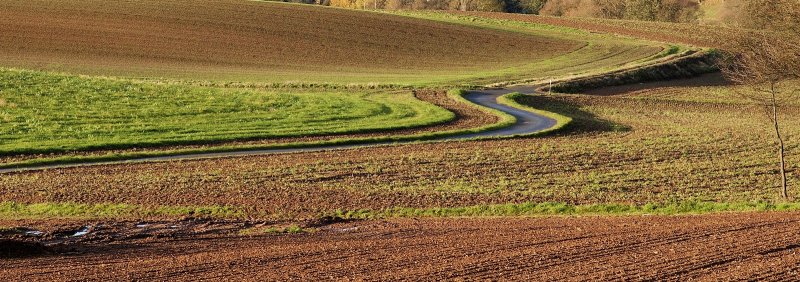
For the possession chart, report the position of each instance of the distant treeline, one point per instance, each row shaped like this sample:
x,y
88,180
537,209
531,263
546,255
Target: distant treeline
x,y
776,15
647,10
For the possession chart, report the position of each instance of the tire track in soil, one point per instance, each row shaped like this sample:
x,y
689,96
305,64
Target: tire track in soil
x,y
570,253
702,240
687,266
449,253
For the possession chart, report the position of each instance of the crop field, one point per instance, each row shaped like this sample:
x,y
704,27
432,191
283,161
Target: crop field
x,y
254,41
759,246
289,141
686,33
466,118
698,146
46,113
260,44
602,52
187,99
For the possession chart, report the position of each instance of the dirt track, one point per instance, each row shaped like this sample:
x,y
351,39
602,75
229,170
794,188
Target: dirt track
x,y
759,246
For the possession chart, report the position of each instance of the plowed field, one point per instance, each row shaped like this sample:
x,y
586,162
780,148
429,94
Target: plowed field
x,y
253,41
686,33
758,246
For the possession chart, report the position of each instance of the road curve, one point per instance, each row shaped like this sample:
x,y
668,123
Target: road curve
x,y
527,122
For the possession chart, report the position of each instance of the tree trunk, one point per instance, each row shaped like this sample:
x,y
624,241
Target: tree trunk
x,y
781,147
783,172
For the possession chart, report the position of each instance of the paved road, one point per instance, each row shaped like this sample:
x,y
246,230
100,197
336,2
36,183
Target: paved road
x,y
527,122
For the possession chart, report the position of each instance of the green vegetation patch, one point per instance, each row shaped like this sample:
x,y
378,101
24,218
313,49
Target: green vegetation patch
x,y
562,209
45,113
13,210
455,94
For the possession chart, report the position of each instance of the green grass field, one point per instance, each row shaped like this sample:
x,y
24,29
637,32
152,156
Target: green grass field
x,y
46,113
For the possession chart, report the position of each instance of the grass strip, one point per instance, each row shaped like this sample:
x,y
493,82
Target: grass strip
x,y
13,210
563,209
52,113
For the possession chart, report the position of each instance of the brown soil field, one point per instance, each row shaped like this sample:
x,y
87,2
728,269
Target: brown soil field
x,y
749,246
229,39
654,146
467,116
686,33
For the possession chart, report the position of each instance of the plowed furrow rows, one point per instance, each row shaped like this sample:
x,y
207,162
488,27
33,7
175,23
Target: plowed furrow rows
x,y
516,260
621,247
691,261
760,246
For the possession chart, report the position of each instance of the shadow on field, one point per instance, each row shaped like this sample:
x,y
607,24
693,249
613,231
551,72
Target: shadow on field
x,y
709,79
21,249
582,121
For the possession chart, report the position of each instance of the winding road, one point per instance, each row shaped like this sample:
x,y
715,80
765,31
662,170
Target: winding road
x,y
527,122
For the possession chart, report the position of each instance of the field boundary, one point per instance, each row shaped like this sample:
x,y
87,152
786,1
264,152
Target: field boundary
x,y
69,210
531,209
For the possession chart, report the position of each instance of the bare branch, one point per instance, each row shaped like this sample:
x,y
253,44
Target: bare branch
x,y
767,58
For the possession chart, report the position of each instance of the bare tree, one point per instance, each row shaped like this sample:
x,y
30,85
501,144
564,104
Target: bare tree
x,y
764,61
